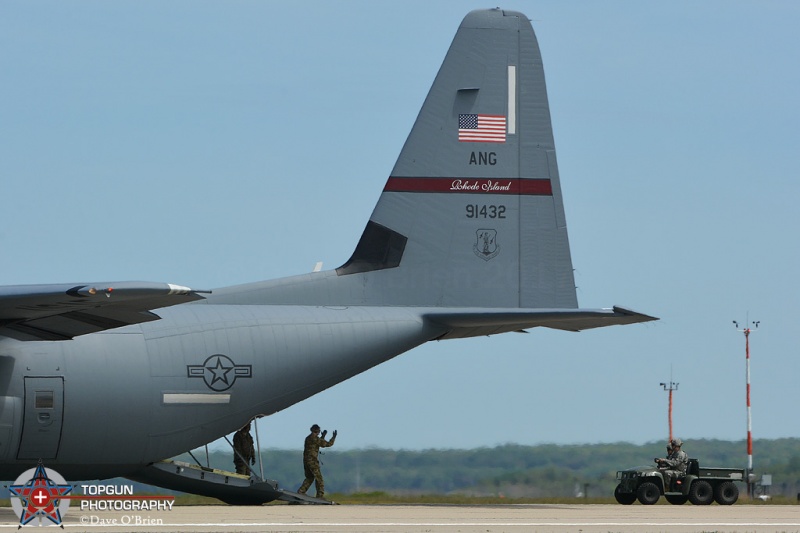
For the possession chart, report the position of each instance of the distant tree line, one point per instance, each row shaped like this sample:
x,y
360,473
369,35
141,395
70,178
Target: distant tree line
x,y
546,470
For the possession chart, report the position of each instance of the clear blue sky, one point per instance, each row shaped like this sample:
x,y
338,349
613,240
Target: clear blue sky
x,y
216,143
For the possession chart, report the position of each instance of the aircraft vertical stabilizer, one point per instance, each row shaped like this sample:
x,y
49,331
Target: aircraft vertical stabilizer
x,y
472,213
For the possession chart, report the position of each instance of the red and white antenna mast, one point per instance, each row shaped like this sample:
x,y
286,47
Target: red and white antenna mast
x,y
746,332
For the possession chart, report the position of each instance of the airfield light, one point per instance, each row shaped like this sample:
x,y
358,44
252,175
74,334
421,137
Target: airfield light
x,y
746,332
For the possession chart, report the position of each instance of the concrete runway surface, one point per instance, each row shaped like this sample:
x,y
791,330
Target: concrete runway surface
x,y
433,518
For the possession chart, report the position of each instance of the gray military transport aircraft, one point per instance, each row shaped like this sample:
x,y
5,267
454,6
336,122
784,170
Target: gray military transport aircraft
x,y
468,238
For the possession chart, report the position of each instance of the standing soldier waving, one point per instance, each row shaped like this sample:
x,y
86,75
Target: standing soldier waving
x,y
311,459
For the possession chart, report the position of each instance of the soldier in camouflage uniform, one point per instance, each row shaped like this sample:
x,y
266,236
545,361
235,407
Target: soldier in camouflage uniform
x,y
675,464
243,443
311,460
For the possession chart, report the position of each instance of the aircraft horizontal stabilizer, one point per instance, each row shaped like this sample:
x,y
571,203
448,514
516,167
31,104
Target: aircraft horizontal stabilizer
x,y
64,311
481,322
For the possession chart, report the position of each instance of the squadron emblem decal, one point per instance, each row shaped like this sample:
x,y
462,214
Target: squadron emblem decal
x,y
219,372
486,246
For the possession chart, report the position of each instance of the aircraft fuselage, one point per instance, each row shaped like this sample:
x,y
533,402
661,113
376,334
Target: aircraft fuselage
x,y
109,403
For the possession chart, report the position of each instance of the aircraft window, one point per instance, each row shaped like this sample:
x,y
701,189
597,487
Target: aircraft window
x,y
44,399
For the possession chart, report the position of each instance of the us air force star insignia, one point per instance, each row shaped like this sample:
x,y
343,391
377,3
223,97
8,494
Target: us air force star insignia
x,y
486,246
219,372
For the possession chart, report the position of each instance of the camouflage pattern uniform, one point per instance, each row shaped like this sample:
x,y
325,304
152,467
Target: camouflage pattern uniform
x,y
311,461
243,443
676,462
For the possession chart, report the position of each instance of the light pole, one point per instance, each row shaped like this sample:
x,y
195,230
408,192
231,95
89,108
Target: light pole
x,y
671,386
746,332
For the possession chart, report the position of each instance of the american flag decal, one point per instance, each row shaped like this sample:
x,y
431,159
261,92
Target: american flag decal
x,y
481,128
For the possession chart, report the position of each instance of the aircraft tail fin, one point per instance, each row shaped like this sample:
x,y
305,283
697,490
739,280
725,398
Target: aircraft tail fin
x,y
472,213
